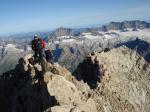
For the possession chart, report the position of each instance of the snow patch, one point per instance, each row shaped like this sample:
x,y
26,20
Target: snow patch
x,y
64,37
21,50
28,48
88,33
90,36
68,40
114,31
107,36
10,46
56,42
141,33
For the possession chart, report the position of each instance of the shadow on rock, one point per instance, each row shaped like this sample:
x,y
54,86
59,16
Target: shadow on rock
x,y
24,90
88,72
141,46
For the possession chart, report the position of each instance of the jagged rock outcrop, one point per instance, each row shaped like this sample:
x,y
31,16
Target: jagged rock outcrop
x,y
122,80
115,80
140,46
43,87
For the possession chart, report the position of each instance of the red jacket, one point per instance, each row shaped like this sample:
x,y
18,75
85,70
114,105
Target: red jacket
x,y
43,43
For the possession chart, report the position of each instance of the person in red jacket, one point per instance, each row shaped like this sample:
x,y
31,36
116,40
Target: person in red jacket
x,y
38,45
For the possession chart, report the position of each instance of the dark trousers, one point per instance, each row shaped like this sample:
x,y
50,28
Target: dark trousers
x,y
49,56
39,54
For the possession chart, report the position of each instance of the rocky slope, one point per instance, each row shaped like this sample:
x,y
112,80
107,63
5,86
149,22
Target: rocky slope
x,y
42,87
115,80
140,46
9,55
120,78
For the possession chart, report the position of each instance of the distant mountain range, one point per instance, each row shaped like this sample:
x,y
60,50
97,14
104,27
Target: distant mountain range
x,y
126,24
122,26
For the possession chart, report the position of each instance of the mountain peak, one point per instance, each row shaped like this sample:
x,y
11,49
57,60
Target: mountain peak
x,y
115,79
62,32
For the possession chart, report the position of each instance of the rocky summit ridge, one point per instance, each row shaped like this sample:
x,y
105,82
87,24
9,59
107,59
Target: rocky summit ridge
x,y
115,80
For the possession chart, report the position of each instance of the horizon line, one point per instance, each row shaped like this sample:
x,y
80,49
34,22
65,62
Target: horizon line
x,y
94,25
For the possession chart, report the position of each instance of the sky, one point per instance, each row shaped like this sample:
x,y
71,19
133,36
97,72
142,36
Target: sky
x,y
39,15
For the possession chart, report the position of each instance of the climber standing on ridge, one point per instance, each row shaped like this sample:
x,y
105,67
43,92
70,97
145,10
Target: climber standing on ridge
x,y
38,45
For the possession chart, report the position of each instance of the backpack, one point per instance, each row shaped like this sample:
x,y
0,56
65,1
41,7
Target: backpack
x,y
39,44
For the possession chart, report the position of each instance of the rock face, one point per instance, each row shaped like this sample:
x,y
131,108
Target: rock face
x,y
115,80
122,80
42,87
140,46
62,32
9,56
126,24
